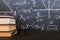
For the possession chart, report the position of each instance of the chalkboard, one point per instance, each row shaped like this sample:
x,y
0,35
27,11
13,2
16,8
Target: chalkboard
x,y
3,6
41,15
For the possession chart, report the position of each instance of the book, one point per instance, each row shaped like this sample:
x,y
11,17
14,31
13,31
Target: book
x,y
7,33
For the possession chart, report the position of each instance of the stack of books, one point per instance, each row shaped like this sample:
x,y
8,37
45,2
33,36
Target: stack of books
x,y
7,26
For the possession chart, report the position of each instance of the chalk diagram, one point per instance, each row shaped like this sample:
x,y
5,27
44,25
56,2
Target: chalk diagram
x,y
48,7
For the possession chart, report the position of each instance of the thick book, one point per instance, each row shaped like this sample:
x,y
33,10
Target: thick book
x,y
6,20
7,33
7,27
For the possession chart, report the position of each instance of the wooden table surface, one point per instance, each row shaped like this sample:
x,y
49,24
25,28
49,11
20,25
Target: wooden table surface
x,y
36,36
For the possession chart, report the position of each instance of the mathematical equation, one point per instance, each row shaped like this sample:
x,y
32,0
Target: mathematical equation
x,y
43,14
